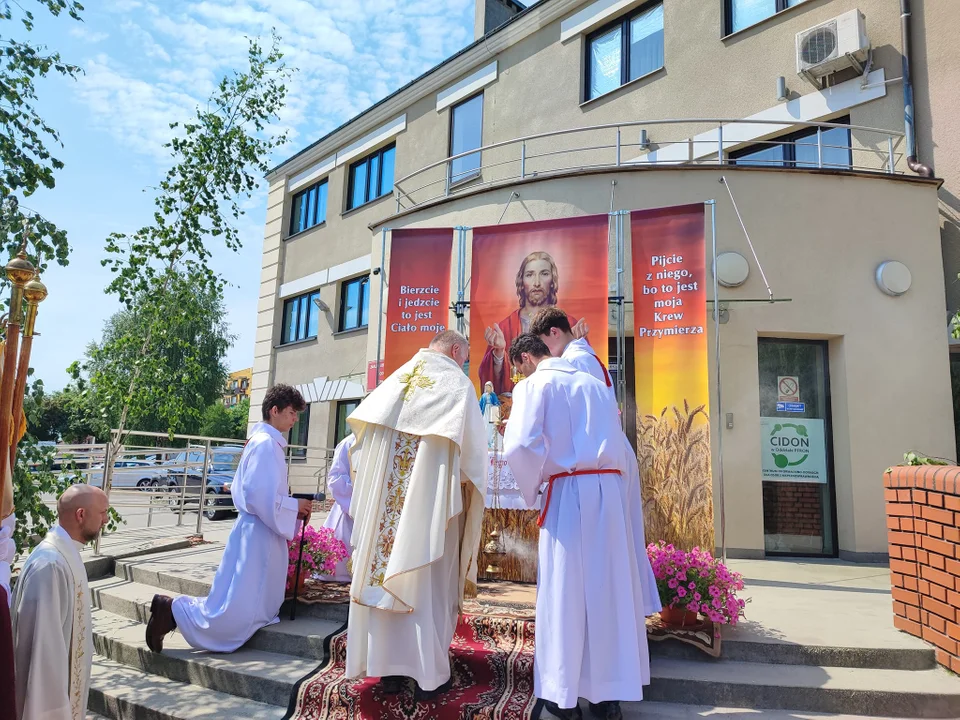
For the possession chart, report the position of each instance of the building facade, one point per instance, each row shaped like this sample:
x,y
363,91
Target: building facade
x,y
642,99
238,387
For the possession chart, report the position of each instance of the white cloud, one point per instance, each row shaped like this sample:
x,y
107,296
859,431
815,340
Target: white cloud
x,y
87,35
140,38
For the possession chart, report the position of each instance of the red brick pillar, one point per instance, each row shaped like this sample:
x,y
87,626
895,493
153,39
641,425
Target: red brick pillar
x,y
923,523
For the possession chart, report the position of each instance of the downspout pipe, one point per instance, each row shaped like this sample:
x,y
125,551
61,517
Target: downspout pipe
x,y
909,124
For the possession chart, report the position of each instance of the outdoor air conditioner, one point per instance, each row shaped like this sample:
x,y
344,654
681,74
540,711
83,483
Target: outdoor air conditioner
x,y
835,45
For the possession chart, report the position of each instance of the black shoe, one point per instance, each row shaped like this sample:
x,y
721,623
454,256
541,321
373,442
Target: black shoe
x,y
573,713
393,684
609,710
431,694
161,622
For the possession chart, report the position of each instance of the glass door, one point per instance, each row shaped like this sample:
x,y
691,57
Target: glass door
x,y
799,509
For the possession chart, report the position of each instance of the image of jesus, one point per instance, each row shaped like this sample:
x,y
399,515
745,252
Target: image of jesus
x,y
538,285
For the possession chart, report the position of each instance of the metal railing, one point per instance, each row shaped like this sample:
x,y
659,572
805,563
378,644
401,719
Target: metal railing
x,y
707,141
154,486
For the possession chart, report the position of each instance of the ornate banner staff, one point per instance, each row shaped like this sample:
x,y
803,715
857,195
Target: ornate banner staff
x,y
19,272
35,292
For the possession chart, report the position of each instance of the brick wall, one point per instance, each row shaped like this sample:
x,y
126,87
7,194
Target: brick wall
x,y
792,509
923,521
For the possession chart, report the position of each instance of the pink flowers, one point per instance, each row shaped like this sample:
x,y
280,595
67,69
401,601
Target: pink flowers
x,y
698,582
321,553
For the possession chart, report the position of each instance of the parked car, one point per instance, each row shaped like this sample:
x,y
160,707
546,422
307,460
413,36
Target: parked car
x,y
131,473
187,467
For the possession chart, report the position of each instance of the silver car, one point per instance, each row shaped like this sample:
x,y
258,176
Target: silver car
x,y
131,473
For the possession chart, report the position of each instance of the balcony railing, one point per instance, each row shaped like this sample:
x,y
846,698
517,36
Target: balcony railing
x,y
643,142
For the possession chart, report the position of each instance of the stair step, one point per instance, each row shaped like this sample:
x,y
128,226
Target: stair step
x,y
900,693
246,673
302,637
675,711
124,693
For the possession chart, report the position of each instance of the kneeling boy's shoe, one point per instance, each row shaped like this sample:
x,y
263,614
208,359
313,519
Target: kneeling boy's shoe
x,y
161,622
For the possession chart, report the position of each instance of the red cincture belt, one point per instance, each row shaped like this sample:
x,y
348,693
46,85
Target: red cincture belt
x,y
575,473
606,375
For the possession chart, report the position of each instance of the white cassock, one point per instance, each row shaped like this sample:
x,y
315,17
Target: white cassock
x,y
579,354
591,632
340,485
249,586
418,495
52,633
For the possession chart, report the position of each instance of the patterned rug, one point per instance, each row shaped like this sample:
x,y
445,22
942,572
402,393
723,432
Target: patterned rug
x,y
705,636
320,591
492,661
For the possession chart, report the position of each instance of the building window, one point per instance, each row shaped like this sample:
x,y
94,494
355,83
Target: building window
x,y
371,178
742,14
354,303
344,408
466,133
301,318
299,434
627,49
800,150
309,208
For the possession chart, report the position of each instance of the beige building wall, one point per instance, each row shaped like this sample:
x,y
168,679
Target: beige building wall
x,y
538,87
825,262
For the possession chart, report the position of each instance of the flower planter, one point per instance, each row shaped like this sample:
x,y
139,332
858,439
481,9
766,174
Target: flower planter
x,y
678,617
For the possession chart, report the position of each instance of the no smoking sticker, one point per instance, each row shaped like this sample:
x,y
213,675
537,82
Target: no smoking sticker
x,y
788,389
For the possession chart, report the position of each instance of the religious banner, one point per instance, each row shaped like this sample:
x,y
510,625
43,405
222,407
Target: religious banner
x,y
519,269
672,389
418,295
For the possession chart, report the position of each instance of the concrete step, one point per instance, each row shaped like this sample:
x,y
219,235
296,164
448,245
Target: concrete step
x,y
898,693
302,637
674,711
120,692
247,672
173,582
131,599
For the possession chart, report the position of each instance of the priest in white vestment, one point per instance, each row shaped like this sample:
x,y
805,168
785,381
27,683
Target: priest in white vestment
x,y
340,485
249,586
552,326
417,508
52,632
591,633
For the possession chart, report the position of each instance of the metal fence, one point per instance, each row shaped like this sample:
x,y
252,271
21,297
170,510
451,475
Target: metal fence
x,y
154,480
695,141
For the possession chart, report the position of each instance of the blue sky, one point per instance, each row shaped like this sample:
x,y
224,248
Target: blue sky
x,y
149,63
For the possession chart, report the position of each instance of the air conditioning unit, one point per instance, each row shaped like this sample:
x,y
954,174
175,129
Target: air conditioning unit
x,y
835,45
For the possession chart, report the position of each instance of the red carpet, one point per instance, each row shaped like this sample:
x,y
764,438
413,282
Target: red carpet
x,y
492,661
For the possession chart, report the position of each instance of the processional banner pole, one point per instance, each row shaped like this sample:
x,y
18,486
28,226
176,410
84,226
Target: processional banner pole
x,y
35,292
19,272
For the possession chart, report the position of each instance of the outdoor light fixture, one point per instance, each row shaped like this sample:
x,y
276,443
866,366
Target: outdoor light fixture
x,y
781,89
894,278
321,305
644,140
732,269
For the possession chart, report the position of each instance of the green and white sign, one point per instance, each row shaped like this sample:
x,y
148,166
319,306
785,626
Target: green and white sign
x,y
793,450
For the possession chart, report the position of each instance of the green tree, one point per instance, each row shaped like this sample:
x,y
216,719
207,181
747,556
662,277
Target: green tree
x,y
26,162
219,158
223,422
181,375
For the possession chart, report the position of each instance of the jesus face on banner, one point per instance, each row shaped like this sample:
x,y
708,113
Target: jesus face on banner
x,y
538,285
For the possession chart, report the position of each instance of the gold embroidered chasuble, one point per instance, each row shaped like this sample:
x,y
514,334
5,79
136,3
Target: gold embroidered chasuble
x,y
420,465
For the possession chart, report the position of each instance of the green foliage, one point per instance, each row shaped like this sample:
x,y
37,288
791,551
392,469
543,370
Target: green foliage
x,y
223,422
26,163
219,158
183,371
69,415
913,459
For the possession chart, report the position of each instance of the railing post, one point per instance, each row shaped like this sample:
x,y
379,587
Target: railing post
x,y
201,501
183,489
890,168
819,147
398,201
446,180
523,159
618,147
720,144
106,483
